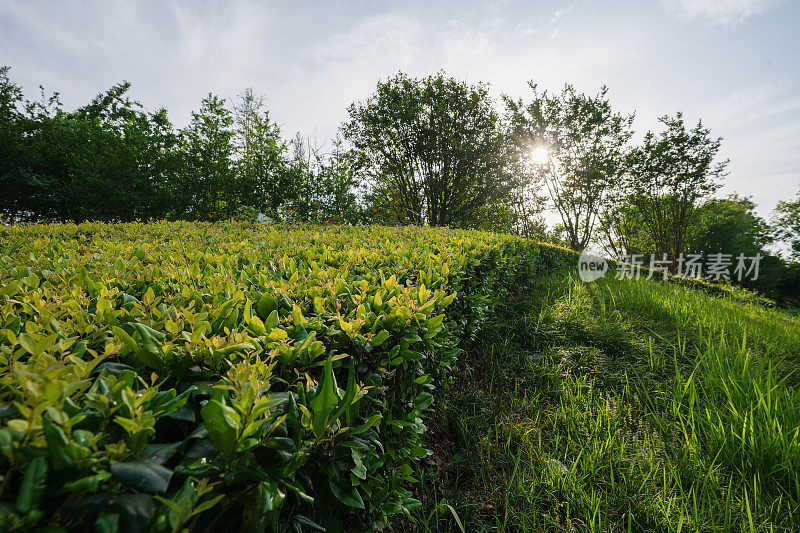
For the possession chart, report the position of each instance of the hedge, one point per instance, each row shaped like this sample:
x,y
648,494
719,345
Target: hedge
x,y
165,376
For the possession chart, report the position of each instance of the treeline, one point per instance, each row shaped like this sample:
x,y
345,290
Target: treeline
x,y
426,151
113,160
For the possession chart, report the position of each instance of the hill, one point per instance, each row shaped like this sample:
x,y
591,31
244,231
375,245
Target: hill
x,y
175,375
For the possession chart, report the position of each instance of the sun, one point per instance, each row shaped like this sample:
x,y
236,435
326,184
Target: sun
x,y
539,155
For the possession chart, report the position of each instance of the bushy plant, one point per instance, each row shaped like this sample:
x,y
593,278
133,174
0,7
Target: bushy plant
x,y
164,376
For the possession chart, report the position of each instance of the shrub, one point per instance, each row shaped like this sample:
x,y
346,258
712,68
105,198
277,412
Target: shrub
x,y
170,375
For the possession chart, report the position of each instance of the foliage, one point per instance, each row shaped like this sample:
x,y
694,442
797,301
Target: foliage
x,y
260,155
72,165
432,149
787,224
584,139
728,225
621,228
620,405
209,183
170,375
113,160
667,176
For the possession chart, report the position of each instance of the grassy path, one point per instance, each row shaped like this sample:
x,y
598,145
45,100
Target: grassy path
x,y
621,406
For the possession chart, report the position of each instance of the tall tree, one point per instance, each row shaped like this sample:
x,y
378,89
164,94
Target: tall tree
x,y
263,179
667,176
127,158
583,140
433,148
107,160
12,183
322,183
621,227
786,222
211,191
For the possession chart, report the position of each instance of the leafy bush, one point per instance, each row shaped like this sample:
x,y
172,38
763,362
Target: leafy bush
x,y
170,375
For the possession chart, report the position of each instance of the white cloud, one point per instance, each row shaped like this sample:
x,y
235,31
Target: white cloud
x,y
727,13
387,36
760,126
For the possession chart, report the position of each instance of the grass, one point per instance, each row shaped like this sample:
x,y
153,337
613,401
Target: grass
x,y
620,406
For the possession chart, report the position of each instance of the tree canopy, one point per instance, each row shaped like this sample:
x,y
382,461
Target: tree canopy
x,y
433,149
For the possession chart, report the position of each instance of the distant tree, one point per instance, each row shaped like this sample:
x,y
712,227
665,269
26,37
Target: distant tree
x,y
210,188
728,225
668,175
338,178
786,222
524,216
584,139
621,228
323,183
260,156
432,150
127,159
107,160
13,185
527,203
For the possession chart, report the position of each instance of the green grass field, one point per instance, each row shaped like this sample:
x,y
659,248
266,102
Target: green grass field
x,y
621,406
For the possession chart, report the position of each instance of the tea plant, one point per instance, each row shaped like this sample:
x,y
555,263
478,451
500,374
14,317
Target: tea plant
x,y
164,376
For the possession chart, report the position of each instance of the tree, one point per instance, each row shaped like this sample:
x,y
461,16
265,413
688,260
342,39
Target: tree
x,y
127,158
584,141
667,175
261,156
786,222
11,145
728,225
25,191
210,188
107,160
621,227
432,149
322,184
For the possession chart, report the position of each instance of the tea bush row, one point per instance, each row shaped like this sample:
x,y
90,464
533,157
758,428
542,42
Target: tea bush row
x,y
164,376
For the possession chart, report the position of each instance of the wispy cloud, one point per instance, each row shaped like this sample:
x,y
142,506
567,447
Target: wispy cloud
x,y
761,129
727,13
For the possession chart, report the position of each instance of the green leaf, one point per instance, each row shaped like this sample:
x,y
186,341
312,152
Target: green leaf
x,y
130,344
423,400
89,483
149,352
144,475
31,280
256,326
223,425
272,321
33,485
29,343
265,305
349,396
380,338
271,496
326,399
57,446
107,523
347,494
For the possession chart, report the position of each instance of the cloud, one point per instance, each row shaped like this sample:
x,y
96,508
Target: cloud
x,y
728,13
760,126
386,37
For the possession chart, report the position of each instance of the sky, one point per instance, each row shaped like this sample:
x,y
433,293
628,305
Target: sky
x,y
731,63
